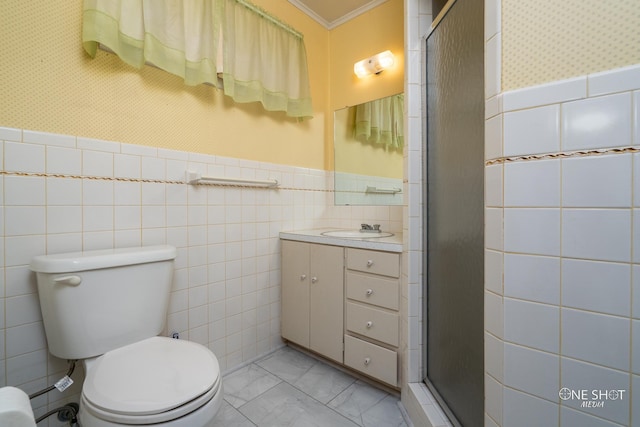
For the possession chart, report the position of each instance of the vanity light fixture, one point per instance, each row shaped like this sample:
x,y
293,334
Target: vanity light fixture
x,y
375,64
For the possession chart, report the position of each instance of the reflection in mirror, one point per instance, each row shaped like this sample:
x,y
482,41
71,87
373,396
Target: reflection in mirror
x,y
368,144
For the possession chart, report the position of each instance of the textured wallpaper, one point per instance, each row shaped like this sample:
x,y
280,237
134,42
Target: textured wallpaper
x,y
547,40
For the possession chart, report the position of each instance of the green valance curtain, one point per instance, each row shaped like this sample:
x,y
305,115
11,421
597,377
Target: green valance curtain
x,y
381,121
231,44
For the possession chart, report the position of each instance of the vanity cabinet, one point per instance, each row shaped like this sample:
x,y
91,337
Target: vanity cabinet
x,y
372,313
313,297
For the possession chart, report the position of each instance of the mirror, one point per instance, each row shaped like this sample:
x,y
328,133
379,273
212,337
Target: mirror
x,y
368,143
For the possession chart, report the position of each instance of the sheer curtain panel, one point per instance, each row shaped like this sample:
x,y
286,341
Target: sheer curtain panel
x,y
230,44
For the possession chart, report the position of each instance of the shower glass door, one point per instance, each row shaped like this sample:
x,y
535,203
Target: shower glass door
x,y
454,248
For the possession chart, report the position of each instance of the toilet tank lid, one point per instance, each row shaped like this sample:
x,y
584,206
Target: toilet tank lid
x,y
105,258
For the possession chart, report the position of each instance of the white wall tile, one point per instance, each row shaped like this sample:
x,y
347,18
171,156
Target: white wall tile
x,y
10,134
19,250
533,278
576,375
618,80
22,310
545,94
26,367
494,356
524,410
493,271
494,398
570,417
20,157
97,193
532,324
126,166
493,138
635,396
24,220
493,185
592,337
492,17
535,130
597,286
493,228
24,191
127,217
602,181
153,168
534,372
599,234
532,231
153,216
636,236
66,161
493,66
64,219
64,191
24,339
635,346
98,145
636,291
96,163
97,218
532,184
127,193
636,118
636,184
46,138
597,122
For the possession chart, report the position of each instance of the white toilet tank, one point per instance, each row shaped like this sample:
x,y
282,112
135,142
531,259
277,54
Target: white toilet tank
x,y
96,301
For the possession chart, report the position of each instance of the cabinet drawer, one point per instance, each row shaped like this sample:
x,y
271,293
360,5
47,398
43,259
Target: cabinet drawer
x,y
374,290
384,263
373,323
373,360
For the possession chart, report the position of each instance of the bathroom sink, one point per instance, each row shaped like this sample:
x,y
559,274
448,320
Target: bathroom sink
x,y
356,234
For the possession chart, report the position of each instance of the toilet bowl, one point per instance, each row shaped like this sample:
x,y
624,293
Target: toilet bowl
x,y
157,381
106,308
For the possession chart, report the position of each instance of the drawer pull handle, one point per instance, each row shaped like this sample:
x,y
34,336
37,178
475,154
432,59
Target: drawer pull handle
x,y
369,263
369,292
304,276
367,360
369,324
314,279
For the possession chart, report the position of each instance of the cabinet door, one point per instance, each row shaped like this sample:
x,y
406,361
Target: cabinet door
x,y
295,292
327,300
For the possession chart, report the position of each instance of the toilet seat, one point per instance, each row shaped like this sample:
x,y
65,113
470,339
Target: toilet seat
x,y
152,381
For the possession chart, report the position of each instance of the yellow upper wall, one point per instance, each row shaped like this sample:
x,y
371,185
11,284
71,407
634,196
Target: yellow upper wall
x,y
548,40
48,83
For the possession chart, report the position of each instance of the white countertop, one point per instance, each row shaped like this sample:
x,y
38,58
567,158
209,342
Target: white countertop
x,y
388,244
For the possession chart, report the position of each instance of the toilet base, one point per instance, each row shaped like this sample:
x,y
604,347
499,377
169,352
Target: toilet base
x,y
201,417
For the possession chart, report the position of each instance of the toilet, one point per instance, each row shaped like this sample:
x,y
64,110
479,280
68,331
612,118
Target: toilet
x,y
106,308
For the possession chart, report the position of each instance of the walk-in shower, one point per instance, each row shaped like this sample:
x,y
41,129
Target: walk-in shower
x,y
454,211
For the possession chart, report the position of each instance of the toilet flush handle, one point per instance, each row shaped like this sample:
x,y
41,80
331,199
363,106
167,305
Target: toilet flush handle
x,y
68,280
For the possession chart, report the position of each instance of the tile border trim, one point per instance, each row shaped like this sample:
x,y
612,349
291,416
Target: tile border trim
x,y
563,155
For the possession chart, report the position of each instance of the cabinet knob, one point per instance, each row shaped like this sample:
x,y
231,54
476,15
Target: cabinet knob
x,y
369,324
369,263
314,279
304,276
367,360
369,292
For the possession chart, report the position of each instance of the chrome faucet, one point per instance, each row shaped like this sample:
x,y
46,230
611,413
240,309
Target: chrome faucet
x,y
366,228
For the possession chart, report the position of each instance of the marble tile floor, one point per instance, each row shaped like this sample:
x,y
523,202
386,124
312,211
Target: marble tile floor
x,y
290,388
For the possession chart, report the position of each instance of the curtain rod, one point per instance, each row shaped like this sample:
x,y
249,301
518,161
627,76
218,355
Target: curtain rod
x,y
269,17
